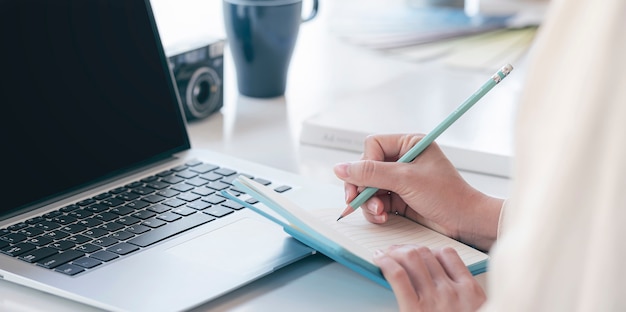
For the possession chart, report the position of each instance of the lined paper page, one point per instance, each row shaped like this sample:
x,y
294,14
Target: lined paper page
x,y
398,230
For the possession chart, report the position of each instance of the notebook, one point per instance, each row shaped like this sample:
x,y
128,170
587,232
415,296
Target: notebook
x,y
353,240
104,200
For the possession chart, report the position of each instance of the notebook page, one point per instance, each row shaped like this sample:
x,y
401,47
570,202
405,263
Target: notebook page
x,y
398,230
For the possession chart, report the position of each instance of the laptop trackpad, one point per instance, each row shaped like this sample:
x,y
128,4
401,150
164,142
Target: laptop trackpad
x,y
243,247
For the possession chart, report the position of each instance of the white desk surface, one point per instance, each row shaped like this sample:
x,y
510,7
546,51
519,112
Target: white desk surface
x,y
323,70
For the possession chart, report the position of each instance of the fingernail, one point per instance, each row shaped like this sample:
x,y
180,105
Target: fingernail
x,y
342,170
372,207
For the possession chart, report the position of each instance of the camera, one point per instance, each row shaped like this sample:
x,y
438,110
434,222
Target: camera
x,y
198,70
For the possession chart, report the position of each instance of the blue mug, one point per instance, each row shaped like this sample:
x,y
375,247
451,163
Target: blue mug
x,y
262,35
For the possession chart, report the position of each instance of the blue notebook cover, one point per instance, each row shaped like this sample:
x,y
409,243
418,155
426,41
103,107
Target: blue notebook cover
x,y
303,232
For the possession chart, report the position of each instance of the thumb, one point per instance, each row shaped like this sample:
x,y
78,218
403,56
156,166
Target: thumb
x,y
378,174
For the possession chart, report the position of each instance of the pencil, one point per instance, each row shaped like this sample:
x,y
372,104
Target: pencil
x,y
436,132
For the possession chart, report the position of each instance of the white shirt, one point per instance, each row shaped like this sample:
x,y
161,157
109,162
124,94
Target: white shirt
x,y
563,243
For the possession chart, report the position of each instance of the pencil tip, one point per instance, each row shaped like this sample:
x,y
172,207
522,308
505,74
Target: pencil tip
x,y
339,218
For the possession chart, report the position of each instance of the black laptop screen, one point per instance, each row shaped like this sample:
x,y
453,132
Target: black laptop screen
x,y
85,93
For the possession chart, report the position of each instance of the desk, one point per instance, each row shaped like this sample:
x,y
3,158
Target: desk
x,y
323,71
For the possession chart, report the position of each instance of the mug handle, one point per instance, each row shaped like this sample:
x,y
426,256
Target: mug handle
x,y
313,12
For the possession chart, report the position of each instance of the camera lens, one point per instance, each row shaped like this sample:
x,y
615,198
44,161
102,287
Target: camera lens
x,y
203,92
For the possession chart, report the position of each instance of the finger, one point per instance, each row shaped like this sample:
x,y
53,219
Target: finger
x,y
453,264
431,261
397,277
381,175
388,147
410,258
374,210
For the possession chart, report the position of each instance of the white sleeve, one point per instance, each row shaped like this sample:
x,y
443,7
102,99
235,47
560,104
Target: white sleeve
x,y
562,247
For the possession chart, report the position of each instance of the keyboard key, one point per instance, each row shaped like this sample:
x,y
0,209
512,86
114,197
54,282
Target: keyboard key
x,y
137,229
103,196
78,239
199,205
31,231
69,208
143,190
127,220
64,219
104,255
123,248
87,262
122,210
225,171
197,181
13,238
104,241
211,176
218,186
80,213
47,225
187,174
73,228
60,258
158,185
183,211
111,227
214,199
170,229
121,235
158,208
282,189
113,202
95,233
203,191
232,205
39,241
89,222
188,197
182,187
17,249
204,168
169,217
118,190
128,196
218,211
88,248
168,193
262,181
137,204
62,245
86,202
56,235
38,254
69,269
144,214
165,173
153,199
97,208
153,223
106,216
174,202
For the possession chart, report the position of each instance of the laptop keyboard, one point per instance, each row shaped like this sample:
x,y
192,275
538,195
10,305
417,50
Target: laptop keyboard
x,y
80,237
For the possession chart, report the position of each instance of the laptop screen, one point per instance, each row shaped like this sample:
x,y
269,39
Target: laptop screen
x,y
85,93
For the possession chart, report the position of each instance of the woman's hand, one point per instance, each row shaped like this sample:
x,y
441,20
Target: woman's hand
x,y
428,190
429,280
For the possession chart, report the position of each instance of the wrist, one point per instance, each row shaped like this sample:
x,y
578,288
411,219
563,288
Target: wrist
x,y
479,226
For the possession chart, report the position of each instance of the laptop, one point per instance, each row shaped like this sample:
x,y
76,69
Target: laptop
x,y
104,200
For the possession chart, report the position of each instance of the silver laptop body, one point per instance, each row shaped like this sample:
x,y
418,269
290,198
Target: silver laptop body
x,y
89,110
